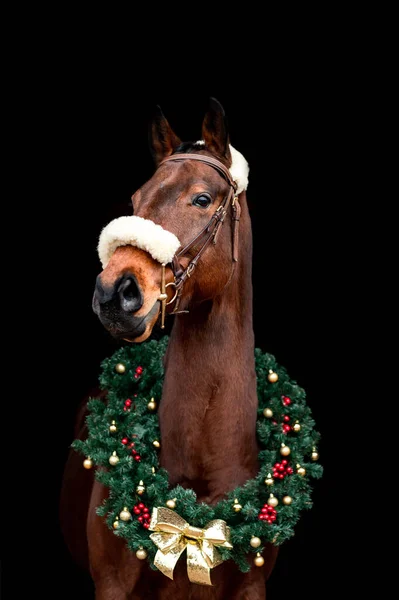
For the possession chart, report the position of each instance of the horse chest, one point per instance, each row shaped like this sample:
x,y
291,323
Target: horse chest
x,y
194,444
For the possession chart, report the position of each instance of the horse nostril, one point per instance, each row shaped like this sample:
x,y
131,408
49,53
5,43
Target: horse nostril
x,y
124,293
129,294
103,294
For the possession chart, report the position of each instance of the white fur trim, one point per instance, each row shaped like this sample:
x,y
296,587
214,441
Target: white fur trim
x,y
239,168
138,232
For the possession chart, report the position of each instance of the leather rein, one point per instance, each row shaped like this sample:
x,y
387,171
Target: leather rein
x,y
207,235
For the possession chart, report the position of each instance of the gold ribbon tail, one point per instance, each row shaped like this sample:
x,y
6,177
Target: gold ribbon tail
x,y
165,560
198,568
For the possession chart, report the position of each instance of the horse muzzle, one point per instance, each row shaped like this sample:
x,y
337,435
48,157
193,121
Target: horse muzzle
x,y
116,306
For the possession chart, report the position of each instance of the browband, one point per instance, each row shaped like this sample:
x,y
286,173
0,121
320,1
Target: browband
x,y
208,160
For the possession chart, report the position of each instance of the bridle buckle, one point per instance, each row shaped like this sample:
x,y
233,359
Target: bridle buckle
x,y
190,269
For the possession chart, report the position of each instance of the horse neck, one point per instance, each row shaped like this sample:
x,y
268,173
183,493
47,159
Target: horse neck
x,y
209,389
222,327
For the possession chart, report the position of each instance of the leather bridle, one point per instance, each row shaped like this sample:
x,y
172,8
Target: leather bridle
x,y
207,235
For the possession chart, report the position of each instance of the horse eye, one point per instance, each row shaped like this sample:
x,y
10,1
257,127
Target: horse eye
x,y
202,201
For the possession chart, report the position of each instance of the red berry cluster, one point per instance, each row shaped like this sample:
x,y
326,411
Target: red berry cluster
x,y
138,372
286,401
128,404
135,454
143,514
280,470
267,513
286,427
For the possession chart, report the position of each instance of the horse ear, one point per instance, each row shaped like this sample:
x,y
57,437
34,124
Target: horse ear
x,y
162,139
215,131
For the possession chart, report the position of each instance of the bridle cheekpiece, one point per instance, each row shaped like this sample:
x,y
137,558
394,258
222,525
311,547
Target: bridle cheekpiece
x,y
207,235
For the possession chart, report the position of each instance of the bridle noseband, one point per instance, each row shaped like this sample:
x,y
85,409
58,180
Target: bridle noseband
x,y
207,235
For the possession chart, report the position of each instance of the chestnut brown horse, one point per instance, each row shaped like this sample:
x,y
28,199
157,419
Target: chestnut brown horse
x,y
209,404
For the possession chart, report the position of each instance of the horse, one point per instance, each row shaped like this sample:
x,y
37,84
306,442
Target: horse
x,y
192,216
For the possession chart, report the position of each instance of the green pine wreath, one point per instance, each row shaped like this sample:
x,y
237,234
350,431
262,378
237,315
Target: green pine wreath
x,y
125,426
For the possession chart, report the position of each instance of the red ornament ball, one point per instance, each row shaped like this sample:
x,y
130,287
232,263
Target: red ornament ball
x,y
286,418
128,402
124,441
286,400
139,370
137,458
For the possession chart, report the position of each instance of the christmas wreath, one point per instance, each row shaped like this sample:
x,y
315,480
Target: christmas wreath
x,y
158,522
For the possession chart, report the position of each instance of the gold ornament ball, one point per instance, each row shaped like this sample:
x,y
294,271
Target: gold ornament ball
x,y
171,503
236,506
285,450
259,561
315,455
156,444
268,413
114,459
112,427
120,368
297,427
301,471
140,489
269,480
115,524
272,377
152,404
141,554
88,463
125,515
255,542
272,501
287,500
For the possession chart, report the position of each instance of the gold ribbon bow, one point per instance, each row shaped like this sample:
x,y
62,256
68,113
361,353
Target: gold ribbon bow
x,y
173,535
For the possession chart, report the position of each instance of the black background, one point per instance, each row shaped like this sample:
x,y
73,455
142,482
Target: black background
x,y
96,157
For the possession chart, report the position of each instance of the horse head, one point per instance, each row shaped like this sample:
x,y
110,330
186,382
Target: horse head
x,y
165,257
